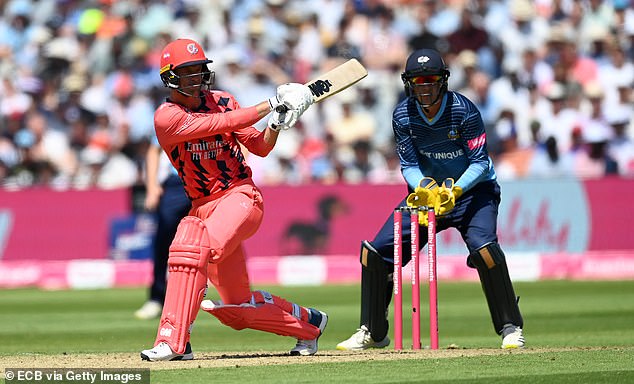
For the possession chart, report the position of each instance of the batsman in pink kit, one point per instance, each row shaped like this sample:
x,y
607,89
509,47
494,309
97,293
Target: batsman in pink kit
x,y
201,131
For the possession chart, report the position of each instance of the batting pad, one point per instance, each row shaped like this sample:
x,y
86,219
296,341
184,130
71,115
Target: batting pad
x,y
263,317
187,265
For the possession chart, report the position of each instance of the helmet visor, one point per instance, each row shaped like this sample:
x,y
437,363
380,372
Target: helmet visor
x,y
425,79
194,82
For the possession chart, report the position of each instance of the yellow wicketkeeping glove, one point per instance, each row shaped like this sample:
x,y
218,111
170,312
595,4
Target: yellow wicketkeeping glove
x,y
425,195
448,193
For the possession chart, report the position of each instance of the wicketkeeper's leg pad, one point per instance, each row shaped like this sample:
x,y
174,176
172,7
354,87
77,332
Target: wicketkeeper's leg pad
x,y
376,291
264,314
490,262
187,282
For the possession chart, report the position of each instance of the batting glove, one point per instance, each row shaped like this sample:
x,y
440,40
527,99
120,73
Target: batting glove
x,y
282,120
275,102
297,96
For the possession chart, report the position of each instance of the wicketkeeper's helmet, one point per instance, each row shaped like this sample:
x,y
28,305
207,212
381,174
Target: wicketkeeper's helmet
x,y
425,76
182,53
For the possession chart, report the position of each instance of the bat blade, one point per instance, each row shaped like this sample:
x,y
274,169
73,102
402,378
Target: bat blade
x,y
334,81
337,79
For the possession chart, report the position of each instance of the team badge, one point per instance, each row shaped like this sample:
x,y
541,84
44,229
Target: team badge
x,y
453,134
423,59
192,48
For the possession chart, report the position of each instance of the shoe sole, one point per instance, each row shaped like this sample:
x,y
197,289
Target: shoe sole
x,y
381,344
359,349
519,344
374,346
187,356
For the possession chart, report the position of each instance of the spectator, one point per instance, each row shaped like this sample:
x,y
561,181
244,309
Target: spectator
x,y
326,167
574,66
524,28
13,102
588,153
560,120
105,168
423,37
50,146
341,47
444,18
64,60
616,74
391,173
308,38
352,125
471,36
8,155
621,146
547,162
463,67
512,161
363,160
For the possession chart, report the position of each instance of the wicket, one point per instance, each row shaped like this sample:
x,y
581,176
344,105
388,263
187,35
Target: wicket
x,y
415,267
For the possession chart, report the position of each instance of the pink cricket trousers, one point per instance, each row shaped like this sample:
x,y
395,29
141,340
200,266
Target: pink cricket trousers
x,y
230,219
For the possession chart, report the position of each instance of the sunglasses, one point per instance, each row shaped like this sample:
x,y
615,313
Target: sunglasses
x,y
427,79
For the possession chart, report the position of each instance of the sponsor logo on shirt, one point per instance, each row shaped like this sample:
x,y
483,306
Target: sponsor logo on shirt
x,y
204,149
443,155
477,142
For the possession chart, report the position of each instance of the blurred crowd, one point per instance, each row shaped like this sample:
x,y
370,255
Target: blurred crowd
x,y
79,82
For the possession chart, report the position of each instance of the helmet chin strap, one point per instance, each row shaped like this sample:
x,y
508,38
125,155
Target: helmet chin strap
x,y
202,87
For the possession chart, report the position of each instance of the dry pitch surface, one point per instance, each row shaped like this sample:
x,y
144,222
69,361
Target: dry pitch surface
x,y
238,359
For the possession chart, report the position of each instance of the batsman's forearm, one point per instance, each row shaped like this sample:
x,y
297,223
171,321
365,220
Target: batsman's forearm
x,y
263,109
270,136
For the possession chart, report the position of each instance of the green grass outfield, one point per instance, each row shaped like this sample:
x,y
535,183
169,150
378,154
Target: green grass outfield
x,y
576,332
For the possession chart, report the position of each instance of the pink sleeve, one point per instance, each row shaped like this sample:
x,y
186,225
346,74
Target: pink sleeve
x,y
174,125
253,140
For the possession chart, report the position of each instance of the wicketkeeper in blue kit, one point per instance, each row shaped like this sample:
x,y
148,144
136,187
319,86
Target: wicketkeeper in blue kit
x,y
441,143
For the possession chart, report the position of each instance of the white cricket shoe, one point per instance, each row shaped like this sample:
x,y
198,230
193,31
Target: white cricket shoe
x,y
163,352
309,347
361,340
151,309
512,337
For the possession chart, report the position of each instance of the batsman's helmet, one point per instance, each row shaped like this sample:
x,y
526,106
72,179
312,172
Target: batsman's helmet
x,y
425,71
182,53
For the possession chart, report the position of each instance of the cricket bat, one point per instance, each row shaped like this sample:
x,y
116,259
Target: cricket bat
x,y
334,81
